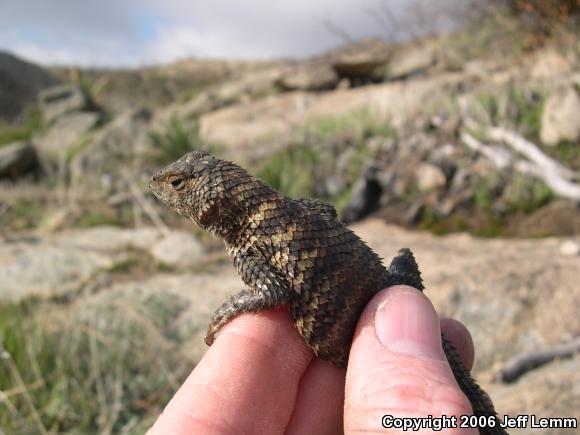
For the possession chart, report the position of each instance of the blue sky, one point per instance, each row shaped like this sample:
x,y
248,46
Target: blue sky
x,y
140,32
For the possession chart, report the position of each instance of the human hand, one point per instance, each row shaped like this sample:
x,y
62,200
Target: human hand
x,y
259,377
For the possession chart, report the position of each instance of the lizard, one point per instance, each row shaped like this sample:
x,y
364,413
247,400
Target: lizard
x,y
294,253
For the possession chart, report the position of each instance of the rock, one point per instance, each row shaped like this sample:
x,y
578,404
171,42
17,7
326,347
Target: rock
x,y
338,179
20,83
57,101
61,264
480,68
200,104
240,128
309,77
513,295
558,217
249,86
106,238
66,132
409,62
358,61
17,160
178,249
549,64
570,248
429,177
415,211
365,195
358,68
101,165
551,391
46,269
254,123
561,117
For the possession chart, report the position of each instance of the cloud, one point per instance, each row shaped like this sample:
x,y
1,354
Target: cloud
x,y
135,32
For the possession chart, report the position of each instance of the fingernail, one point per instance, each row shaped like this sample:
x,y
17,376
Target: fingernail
x,y
406,323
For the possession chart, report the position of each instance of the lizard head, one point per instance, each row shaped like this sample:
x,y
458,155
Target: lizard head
x,y
197,186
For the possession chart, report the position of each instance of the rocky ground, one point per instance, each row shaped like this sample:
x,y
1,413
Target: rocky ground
x,y
102,290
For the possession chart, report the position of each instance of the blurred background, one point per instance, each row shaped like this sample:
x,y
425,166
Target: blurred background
x,y
450,127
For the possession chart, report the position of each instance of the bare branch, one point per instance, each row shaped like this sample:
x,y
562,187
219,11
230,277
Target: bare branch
x,y
338,31
524,362
147,207
531,151
500,157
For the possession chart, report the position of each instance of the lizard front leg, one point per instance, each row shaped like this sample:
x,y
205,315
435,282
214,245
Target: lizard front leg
x,y
249,300
266,290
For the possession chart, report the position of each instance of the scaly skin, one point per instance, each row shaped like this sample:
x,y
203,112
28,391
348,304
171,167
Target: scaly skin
x,y
294,253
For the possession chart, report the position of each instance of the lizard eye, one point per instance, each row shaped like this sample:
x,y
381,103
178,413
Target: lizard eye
x,y
177,183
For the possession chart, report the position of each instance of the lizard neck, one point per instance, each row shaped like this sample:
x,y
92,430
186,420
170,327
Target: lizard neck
x,y
254,212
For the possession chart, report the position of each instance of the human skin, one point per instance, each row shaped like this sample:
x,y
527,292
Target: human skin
x,y
259,377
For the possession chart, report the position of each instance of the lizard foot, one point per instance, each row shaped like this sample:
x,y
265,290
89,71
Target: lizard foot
x,y
248,300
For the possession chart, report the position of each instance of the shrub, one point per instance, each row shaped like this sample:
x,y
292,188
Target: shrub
x,y
29,123
543,17
174,141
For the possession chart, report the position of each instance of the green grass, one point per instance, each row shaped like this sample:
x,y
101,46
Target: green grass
x,y
360,124
95,218
176,139
486,192
291,170
523,195
528,106
27,213
515,107
432,222
566,152
29,123
103,368
300,170
526,194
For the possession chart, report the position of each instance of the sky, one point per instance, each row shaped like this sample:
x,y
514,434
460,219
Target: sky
x,y
144,32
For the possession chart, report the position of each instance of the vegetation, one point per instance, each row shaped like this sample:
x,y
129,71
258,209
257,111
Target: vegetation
x,y
176,139
95,218
30,122
523,195
360,124
516,107
526,194
304,168
25,213
543,17
568,153
87,367
291,170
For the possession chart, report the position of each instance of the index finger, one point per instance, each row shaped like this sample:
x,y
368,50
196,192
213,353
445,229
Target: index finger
x,y
247,381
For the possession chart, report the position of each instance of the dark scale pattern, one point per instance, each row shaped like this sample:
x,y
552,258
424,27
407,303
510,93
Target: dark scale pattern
x,y
295,253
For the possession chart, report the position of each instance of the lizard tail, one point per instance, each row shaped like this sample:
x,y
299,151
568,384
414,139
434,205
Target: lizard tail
x,y
480,401
404,270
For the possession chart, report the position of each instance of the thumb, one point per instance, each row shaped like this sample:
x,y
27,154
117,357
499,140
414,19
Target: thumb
x,y
397,366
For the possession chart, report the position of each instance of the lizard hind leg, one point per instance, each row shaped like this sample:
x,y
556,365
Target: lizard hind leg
x,y
249,300
404,270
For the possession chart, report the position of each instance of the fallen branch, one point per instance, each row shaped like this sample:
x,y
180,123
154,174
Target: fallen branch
x,y
525,362
498,156
556,176
4,208
530,151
